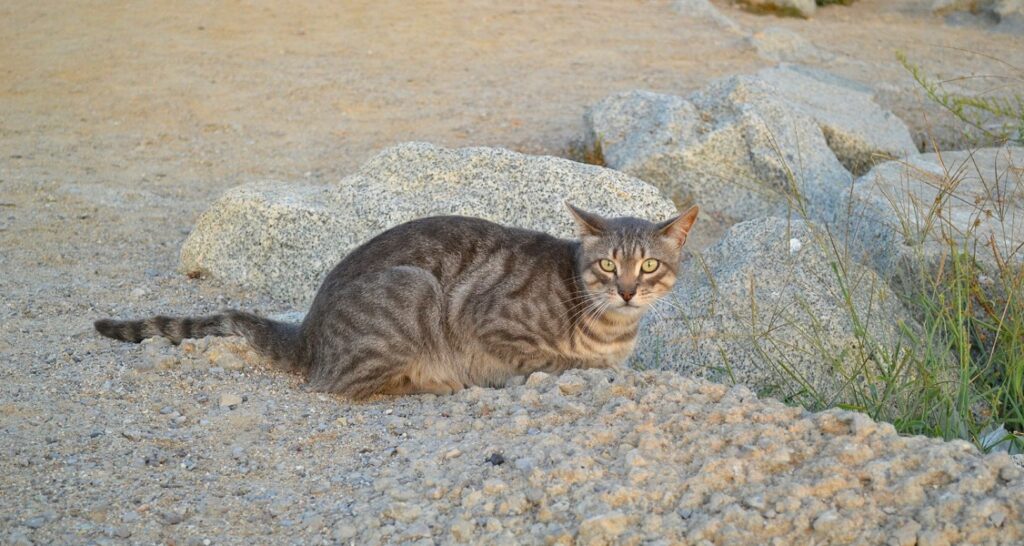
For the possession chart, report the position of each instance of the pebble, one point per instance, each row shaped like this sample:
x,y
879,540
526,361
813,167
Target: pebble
x,y
571,385
827,521
495,459
608,525
343,531
230,400
173,517
462,530
35,522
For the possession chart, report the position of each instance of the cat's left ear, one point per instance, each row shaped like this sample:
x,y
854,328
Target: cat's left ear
x,y
588,223
679,227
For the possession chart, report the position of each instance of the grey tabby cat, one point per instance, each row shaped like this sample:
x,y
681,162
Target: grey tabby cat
x,y
438,304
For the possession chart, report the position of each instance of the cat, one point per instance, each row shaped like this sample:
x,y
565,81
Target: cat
x,y
439,304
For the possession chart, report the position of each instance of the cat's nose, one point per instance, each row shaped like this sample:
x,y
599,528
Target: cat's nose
x,y
627,294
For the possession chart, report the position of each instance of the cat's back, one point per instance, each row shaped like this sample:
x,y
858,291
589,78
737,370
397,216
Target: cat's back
x,y
453,246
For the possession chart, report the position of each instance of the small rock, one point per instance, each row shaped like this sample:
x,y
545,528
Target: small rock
x,y
18,538
173,517
230,400
462,530
223,357
525,464
35,522
343,531
404,512
495,459
494,487
571,385
608,525
417,530
827,521
536,378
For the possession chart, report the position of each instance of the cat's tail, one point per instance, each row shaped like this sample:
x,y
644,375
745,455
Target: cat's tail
x,y
278,340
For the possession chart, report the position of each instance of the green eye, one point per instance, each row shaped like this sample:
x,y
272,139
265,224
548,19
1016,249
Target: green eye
x,y
608,265
650,266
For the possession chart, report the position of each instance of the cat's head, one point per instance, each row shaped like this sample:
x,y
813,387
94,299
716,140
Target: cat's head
x,y
626,264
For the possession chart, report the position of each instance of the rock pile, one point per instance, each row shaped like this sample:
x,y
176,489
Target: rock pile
x,y
588,457
751,146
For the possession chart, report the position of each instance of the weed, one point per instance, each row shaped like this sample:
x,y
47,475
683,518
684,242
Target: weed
x,y
957,371
769,8
1000,118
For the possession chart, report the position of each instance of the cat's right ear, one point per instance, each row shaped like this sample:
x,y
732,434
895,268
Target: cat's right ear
x,y
588,224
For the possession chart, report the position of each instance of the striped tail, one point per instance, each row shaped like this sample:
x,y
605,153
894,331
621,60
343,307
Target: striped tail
x,y
278,340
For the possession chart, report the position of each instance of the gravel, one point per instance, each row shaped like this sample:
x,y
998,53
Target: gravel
x,y
591,457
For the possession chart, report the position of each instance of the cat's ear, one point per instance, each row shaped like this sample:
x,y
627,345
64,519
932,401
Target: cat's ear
x,y
588,223
679,227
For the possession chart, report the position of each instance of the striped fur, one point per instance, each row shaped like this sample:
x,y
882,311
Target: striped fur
x,y
437,304
277,340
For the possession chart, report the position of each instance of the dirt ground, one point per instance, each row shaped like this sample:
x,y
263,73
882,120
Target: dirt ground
x,y
121,121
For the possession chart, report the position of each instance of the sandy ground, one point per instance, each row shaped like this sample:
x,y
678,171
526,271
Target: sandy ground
x,y
120,122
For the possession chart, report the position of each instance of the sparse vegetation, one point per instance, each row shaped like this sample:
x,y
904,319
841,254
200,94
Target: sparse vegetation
x,y
999,118
771,9
786,11
961,373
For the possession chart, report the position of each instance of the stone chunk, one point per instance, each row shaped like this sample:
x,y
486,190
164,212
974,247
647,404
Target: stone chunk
x,y
601,529
736,147
281,239
859,131
748,311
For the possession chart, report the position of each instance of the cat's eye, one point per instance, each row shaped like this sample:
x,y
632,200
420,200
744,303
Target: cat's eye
x,y
607,265
650,265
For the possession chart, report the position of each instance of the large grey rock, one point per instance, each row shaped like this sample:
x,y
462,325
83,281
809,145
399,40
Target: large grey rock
x,y
803,8
859,131
905,214
764,307
736,147
281,238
